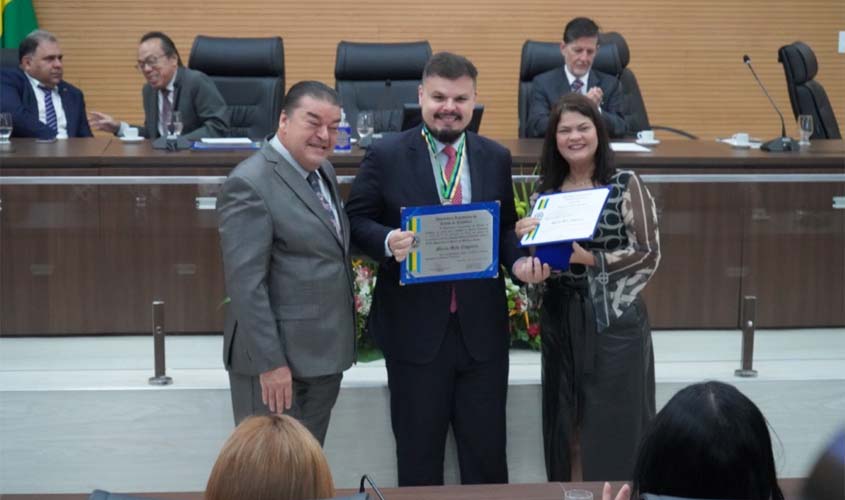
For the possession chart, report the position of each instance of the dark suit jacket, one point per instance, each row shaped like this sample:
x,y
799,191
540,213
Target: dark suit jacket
x,y
409,321
204,112
548,87
287,272
18,98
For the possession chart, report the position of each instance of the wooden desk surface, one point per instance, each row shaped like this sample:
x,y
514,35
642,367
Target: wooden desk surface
x,y
541,491
111,152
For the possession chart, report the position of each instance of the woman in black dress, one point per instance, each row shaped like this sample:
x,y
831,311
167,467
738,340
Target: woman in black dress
x,y
598,362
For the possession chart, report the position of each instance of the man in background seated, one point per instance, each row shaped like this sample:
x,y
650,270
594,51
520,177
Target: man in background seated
x,y
172,87
579,46
42,104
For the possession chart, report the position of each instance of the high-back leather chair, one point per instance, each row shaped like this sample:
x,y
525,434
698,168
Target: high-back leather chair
x,y
806,95
9,58
250,74
380,77
612,58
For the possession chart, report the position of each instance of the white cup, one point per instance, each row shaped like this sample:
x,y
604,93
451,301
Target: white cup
x,y
131,133
740,138
645,135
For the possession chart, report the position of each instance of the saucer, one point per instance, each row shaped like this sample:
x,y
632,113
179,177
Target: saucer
x,y
643,142
132,139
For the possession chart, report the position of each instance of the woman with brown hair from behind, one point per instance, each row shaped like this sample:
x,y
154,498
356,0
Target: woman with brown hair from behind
x,y
270,458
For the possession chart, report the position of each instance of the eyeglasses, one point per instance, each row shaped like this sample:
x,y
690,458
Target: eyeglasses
x,y
152,61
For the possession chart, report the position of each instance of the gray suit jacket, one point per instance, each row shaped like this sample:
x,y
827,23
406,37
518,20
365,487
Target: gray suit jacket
x,y
204,112
288,274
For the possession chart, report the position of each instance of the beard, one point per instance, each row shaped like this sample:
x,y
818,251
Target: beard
x,y
446,136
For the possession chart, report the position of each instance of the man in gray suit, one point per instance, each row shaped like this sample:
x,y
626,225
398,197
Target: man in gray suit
x,y
290,325
171,87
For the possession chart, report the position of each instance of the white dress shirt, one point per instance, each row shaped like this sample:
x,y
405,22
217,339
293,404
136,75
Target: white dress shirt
x,y
61,119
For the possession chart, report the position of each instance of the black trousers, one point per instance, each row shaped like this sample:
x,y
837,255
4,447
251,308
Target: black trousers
x,y
453,389
597,387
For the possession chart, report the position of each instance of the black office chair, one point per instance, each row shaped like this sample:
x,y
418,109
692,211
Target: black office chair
x,y
250,74
612,58
379,77
9,58
806,95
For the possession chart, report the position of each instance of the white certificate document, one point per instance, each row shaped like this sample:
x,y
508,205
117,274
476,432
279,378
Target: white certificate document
x,y
568,216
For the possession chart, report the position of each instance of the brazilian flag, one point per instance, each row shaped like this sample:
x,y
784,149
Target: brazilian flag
x,y
17,19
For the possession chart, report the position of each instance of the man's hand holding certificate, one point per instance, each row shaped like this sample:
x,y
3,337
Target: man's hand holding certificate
x,y
451,242
564,217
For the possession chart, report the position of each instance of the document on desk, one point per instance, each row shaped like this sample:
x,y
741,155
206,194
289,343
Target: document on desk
x,y
568,216
628,147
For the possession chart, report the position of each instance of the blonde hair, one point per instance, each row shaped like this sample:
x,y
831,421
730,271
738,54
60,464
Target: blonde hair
x,y
270,458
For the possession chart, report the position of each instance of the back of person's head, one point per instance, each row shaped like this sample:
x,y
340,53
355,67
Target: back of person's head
x,y
709,441
580,27
309,88
270,458
167,45
449,66
30,43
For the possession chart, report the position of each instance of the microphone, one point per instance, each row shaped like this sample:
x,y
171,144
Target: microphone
x,y
784,142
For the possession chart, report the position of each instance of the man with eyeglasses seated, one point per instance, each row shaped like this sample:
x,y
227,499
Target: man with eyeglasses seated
x,y
42,105
171,87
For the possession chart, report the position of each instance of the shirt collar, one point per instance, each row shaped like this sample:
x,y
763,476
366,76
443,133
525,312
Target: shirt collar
x,y
571,77
280,148
35,83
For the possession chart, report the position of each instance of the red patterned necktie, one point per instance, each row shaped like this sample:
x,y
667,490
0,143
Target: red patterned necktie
x,y
449,151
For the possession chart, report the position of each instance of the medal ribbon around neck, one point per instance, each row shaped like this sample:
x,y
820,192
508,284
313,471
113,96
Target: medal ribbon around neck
x,y
450,185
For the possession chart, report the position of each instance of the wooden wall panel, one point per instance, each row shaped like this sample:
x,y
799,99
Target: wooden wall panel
x,y
687,55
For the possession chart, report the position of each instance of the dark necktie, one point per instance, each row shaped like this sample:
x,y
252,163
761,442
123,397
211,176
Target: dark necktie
x,y
49,109
449,151
166,112
576,85
314,182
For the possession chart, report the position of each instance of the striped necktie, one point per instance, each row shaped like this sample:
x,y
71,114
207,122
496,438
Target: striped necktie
x,y
314,182
49,110
166,112
576,85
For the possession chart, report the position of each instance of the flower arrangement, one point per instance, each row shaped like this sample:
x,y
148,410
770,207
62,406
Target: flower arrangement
x,y
523,317
364,271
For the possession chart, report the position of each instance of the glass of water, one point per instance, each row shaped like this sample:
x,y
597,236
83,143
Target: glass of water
x,y
577,495
805,127
5,127
364,127
176,125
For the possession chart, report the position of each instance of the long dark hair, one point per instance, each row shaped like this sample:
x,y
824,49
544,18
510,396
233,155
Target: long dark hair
x,y
709,441
553,168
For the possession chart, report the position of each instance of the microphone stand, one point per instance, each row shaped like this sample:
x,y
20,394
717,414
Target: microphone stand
x,y
784,142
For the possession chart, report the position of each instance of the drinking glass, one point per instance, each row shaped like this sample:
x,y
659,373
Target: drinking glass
x,y
364,126
805,127
5,127
175,127
577,495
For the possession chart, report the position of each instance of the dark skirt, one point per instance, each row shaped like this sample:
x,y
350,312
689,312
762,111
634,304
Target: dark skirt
x,y
597,387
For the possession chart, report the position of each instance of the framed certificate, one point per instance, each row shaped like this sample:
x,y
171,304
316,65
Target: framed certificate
x,y
451,242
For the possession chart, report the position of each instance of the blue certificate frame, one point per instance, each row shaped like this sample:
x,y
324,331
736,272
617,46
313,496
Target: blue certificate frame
x,y
453,242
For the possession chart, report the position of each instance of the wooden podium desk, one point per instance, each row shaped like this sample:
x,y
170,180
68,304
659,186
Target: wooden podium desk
x,y
89,258
540,491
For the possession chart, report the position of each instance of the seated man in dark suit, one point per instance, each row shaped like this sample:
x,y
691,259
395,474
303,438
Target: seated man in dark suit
x,y
579,46
172,87
42,104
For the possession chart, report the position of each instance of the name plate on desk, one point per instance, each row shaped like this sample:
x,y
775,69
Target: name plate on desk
x,y
451,242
